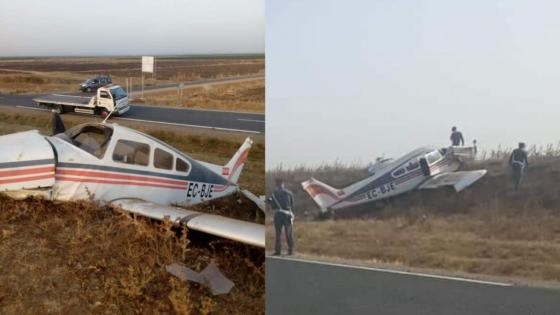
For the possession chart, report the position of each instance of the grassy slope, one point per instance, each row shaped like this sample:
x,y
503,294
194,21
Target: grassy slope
x,y
76,257
487,229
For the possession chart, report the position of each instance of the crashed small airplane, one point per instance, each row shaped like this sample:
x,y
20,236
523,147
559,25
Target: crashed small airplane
x,y
424,168
127,169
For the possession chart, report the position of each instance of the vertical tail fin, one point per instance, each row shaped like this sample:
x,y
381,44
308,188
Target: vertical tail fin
x,y
233,168
323,194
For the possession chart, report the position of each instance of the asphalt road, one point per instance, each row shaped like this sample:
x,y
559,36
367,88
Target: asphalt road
x,y
298,287
210,119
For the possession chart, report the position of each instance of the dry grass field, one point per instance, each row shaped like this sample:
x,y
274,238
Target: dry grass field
x,y
80,257
247,96
486,229
63,74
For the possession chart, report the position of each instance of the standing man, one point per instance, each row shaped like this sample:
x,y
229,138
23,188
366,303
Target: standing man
x,y
456,137
518,161
282,200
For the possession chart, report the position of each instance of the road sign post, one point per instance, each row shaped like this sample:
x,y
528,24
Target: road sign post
x,y
147,66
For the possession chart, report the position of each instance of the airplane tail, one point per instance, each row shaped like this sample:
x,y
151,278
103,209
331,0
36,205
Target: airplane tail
x,y
233,168
323,194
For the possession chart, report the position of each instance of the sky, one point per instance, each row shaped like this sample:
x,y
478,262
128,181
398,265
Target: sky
x,y
131,27
350,81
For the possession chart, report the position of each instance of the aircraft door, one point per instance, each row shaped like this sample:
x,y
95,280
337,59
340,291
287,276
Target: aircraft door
x,y
424,166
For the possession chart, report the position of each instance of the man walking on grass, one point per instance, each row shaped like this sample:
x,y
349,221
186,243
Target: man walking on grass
x,y
282,201
518,162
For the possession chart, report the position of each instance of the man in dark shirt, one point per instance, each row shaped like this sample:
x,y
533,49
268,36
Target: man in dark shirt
x,y
456,137
282,201
518,162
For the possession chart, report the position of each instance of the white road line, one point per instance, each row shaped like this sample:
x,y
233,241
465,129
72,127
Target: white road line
x,y
417,274
188,125
252,120
197,109
161,122
34,108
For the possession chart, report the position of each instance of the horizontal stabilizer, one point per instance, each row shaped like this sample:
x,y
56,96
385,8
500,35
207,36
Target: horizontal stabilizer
x,y
459,180
236,230
259,201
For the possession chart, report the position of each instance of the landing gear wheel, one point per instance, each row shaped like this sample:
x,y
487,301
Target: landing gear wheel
x,y
104,113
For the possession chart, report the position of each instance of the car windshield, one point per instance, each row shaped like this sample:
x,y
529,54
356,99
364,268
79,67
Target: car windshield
x,y
93,139
118,93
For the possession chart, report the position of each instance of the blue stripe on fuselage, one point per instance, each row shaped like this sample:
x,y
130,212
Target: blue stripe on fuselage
x,y
195,174
26,163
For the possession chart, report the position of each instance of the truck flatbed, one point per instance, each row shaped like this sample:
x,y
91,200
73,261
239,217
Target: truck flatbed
x,y
70,100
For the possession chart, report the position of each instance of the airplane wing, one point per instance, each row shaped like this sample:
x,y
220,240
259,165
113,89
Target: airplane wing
x,y
237,230
459,180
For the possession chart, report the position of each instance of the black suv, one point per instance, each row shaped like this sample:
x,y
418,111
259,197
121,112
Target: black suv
x,y
92,84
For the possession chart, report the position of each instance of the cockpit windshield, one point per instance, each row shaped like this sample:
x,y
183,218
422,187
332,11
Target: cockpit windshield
x,y
433,157
93,139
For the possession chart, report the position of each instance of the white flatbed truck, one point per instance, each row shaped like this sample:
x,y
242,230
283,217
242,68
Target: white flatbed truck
x,y
111,98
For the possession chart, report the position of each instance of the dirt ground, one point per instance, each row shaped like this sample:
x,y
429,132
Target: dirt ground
x,y
58,74
487,229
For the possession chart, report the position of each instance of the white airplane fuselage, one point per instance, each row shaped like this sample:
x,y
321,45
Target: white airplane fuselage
x,y
390,179
64,170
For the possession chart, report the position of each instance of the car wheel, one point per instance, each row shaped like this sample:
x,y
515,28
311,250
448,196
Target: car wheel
x,y
89,89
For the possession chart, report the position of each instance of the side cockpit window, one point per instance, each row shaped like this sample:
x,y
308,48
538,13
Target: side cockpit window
x,y
433,157
399,172
163,159
182,166
131,152
412,166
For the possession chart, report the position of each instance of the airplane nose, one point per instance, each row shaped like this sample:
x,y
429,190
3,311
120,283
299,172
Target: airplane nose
x,y
27,161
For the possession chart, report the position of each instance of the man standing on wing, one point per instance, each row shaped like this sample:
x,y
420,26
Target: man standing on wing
x,y
282,201
456,137
518,162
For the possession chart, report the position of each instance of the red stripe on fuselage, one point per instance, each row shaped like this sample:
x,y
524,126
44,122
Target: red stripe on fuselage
x,y
88,173
26,179
27,171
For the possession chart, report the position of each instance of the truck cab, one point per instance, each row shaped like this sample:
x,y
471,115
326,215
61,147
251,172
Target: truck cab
x,y
111,98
